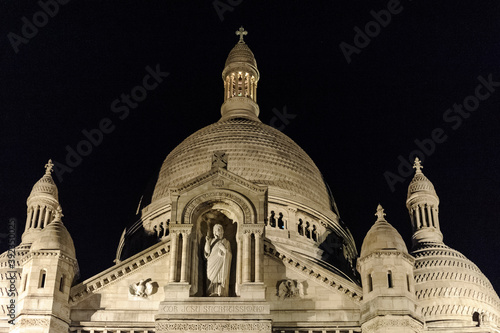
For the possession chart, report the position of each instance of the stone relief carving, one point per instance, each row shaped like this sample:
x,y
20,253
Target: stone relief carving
x,y
290,289
143,288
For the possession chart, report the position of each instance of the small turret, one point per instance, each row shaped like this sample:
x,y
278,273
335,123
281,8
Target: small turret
x,y
42,205
240,76
386,269
423,207
47,275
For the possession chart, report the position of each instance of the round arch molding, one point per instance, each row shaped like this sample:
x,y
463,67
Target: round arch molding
x,y
232,204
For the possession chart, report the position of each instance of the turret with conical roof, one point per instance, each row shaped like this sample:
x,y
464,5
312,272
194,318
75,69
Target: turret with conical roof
x,y
47,275
423,207
42,203
240,76
386,269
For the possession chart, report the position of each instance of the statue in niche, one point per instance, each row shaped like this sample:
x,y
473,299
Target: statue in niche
x,y
218,254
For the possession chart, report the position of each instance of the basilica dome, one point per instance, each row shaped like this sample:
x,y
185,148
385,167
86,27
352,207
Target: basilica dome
x,y
255,151
451,287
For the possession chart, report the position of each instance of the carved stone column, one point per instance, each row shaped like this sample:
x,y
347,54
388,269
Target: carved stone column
x,y
173,256
418,223
40,213
185,255
239,261
46,219
430,223
247,258
258,256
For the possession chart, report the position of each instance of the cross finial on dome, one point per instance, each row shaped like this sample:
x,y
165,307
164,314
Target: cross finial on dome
x,y
417,165
49,167
241,32
380,213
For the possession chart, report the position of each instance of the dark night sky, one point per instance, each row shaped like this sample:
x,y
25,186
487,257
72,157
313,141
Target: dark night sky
x,y
354,120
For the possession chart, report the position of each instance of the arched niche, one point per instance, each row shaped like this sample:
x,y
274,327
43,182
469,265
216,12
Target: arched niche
x,y
232,211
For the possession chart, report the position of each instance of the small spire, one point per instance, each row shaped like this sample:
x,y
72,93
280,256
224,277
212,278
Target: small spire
x,y
49,167
241,32
380,213
417,165
58,214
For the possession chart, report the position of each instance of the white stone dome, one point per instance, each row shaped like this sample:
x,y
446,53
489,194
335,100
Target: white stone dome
x,y
44,187
255,151
451,287
55,237
382,236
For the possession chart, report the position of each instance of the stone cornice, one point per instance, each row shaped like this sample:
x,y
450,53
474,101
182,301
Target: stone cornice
x,y
388,253
320,275
145,258
253,228
49,253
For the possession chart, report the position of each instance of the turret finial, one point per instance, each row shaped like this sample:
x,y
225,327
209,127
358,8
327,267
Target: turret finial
x,y
49,167
58,214
241,32
380,213
417,165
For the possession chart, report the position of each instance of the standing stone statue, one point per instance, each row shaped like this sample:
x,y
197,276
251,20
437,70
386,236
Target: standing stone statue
x,y
218,255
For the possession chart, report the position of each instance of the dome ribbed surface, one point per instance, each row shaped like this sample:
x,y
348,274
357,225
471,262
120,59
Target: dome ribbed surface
x,y
255,151
450,286
241,53
45,186
382,236
55,236
421,185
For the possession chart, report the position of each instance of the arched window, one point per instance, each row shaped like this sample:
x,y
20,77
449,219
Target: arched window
x,y
61,283
389,279
300,227
408,282
272,219
42,278
370,283
314,234
307,231
25,282
281,222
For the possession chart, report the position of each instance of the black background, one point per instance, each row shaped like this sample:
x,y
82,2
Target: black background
x,y
354,120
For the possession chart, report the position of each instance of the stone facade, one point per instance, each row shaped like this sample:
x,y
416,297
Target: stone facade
x,y
247,239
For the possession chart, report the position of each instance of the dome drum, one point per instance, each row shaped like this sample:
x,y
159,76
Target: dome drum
x,y
239,107
425,234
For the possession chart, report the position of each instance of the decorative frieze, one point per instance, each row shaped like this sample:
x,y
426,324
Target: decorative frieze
x,y
214,327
